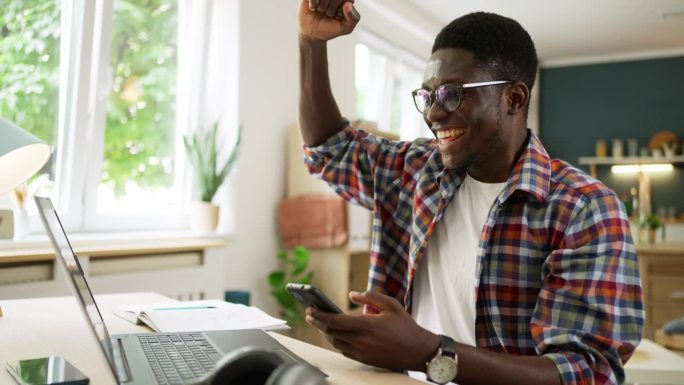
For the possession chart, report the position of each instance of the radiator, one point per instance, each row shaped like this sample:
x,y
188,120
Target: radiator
x,y
182,275
28,272
129,264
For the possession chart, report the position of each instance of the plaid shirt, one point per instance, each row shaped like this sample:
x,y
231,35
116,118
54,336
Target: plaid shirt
x,y
557,271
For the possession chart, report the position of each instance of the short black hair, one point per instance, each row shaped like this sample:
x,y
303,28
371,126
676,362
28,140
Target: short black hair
x,y
501,44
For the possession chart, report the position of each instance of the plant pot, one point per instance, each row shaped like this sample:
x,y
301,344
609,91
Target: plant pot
x,y
204,216
647,236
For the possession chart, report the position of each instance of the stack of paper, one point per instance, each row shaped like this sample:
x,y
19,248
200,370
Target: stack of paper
x,y
202,315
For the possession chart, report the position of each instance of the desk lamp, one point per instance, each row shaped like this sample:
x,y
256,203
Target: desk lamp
x,y
21,155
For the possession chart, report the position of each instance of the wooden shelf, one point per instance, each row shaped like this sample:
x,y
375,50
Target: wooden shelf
x,y
593,161
590,160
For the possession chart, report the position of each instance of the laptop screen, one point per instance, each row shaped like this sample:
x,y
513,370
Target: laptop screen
x,y
65,253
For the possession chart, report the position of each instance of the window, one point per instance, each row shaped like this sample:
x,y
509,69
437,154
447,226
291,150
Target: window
x,y
100,81
138,161
29,66
385,77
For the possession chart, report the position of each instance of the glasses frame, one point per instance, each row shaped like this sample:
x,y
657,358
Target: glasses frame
x,y
459,91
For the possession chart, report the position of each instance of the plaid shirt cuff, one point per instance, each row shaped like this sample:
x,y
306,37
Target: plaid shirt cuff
x,y
574,369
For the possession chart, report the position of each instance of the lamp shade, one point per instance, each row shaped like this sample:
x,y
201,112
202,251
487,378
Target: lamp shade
x,y
21,155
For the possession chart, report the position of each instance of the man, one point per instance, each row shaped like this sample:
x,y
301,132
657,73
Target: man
x,y
490,263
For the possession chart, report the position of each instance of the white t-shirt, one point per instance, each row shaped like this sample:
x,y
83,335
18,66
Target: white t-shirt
x,y
444,285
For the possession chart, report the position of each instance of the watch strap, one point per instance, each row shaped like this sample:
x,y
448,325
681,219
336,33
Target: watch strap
x,y
445,351
447,346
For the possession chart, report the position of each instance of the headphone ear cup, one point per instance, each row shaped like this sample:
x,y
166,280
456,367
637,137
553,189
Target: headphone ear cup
x,y
277,374
296,374
245,366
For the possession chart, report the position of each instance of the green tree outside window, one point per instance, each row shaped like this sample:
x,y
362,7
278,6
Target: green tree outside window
x,y
29,65
140,133
140,124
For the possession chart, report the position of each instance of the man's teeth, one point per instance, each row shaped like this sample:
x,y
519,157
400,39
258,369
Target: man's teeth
x,y
443,134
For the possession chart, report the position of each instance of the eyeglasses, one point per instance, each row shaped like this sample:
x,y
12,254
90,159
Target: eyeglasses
x,y
448,95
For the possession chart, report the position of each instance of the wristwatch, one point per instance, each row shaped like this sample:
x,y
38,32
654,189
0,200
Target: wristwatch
x,y
443,367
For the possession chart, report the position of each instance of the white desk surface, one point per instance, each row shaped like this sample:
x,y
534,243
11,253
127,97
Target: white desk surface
x,y
654,364
40,327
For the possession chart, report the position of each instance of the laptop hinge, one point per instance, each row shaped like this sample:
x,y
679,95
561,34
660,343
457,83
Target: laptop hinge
x,y
123,372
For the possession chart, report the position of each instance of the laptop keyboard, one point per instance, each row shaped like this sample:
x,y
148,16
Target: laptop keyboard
x,y
178,358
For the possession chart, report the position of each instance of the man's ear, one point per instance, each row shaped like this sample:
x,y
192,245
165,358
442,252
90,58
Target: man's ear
x,y
518,97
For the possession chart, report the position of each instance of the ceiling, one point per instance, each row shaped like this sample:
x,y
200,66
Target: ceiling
x,y
583,30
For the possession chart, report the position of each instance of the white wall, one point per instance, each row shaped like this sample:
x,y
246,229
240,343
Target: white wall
x,y
268,105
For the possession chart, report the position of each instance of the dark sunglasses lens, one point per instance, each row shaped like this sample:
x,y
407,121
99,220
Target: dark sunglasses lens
x,y
448,97
422,100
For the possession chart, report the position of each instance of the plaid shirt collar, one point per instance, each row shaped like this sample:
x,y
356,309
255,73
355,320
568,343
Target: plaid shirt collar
x,y
531,174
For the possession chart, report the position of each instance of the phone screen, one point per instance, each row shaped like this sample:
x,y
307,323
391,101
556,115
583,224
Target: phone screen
x,y
53,370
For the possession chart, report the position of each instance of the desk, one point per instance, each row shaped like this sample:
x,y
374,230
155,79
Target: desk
x,y
655,365
55,326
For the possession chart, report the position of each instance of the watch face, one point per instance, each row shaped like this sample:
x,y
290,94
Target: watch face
x,y
442,369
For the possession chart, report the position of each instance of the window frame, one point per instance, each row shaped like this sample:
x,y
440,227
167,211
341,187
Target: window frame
x,y
84,87
395,56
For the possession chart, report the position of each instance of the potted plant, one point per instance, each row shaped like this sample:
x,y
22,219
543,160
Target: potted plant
x,y
651,223
202,150
294,269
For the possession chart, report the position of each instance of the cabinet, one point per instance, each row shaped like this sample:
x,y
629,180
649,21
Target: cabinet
x,y
593,162
337,270
662,279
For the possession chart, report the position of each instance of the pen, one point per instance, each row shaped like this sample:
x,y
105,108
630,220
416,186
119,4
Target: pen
x,y
185,308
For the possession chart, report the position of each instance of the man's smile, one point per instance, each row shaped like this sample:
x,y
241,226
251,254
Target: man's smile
x,y
450,134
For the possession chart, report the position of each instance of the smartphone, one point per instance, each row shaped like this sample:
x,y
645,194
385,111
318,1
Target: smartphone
x,y
53,370
311,296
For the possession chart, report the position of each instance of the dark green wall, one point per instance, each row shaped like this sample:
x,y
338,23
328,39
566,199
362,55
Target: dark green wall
x,y
631,99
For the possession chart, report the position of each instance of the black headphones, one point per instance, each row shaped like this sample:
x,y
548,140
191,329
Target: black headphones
x,y
254,366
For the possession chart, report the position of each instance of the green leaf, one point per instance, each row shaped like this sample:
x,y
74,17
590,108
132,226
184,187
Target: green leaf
x,y
276,278
301,260
203,152
294,315
301,251
282,255
284,298
295,271
211,160
306,279
225,170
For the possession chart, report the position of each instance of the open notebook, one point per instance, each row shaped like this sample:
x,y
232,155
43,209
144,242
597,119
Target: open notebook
x,y
185,316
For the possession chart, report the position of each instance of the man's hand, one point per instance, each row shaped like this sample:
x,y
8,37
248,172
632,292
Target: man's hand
x,y
327,19
389,339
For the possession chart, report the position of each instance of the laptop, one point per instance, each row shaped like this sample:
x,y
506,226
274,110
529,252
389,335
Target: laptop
x,y
151,358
